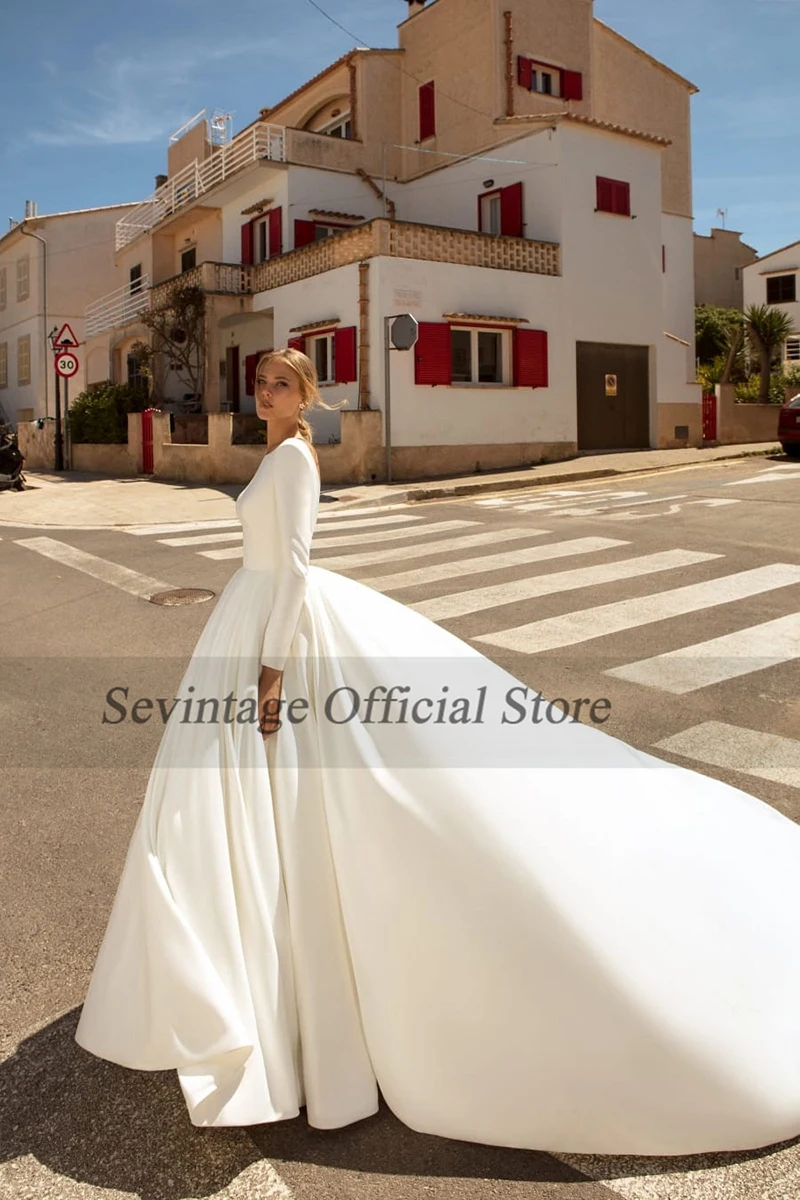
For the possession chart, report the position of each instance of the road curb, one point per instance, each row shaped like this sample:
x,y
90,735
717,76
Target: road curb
x,y
414,492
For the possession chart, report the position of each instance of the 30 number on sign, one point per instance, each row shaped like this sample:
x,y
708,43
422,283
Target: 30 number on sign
x,y
67,365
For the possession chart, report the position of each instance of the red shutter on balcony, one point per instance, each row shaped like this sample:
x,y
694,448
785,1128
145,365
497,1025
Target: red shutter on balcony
x,y
275,232
432,354
250,364
344,354
427,111
613,196
605,194
297,343
571,85
524,72
530,358
304,233
247,243
511,210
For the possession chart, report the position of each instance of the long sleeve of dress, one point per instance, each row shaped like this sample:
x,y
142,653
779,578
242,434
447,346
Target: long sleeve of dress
x,y
295,498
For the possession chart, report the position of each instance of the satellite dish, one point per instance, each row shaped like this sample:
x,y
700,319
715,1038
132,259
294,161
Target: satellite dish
x,y
404,332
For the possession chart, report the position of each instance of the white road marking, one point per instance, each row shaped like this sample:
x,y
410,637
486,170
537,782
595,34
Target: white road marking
x,y
204,539
554,503
763,755
357,539
489,562
781,471
118,576
572,628
458,604
335,510
464,541
391,519
719,659
182,527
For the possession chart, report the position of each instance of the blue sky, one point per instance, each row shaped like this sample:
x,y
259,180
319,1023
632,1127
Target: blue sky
x,y
91,97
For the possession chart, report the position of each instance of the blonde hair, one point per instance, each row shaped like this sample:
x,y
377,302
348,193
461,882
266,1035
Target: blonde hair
x,y
306,372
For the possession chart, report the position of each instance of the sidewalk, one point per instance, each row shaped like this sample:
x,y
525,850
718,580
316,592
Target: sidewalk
x,y
73,499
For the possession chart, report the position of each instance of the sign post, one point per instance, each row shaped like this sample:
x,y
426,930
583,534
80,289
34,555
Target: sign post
x,y
67,365
402,335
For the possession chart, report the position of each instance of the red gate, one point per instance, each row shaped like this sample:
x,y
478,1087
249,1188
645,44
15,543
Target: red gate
x,y
709,416
147,441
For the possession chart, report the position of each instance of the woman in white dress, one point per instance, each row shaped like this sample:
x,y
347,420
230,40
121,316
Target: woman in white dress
x,y
525,934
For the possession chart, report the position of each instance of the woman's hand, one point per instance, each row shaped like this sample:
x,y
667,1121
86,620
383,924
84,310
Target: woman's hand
x,y
269,701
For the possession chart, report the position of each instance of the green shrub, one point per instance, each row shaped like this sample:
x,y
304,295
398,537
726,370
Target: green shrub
x,y
100,414
748,392
791,376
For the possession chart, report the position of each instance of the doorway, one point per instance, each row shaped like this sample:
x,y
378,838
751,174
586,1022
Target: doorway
x,y
613,383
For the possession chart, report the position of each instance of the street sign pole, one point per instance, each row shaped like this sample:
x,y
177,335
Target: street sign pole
x,y
59,457
401,335
67,439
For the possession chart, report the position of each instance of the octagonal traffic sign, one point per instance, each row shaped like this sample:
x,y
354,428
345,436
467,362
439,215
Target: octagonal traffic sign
x,y
67,364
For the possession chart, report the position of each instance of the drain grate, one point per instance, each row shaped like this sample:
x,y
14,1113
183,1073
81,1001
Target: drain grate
x,y
179,596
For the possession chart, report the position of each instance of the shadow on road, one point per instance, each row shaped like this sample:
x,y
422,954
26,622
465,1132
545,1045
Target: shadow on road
x,y
106,1126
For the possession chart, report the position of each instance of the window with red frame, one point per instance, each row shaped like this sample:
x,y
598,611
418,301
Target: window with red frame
x,y
613,196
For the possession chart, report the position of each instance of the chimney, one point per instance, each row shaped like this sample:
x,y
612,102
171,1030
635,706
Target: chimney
x,y
415,6
31,209
160,181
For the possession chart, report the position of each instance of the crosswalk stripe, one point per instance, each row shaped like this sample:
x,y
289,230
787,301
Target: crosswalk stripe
x,y
208,538
764,755
488,562
458,604
555,503
203,539
99,568
339,513
572,628
719,659
392,535
357,539
372,522
464,541
180,527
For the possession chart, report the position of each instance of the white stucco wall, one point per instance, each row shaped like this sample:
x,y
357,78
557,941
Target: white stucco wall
x,y
332,191
270,183
783,262
450,196
458,414
334,294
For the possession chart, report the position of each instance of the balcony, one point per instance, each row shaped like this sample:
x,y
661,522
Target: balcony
x,y
260,141
117,308
373,239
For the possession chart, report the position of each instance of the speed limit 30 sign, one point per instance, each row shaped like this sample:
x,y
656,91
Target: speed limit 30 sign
x,y
67,364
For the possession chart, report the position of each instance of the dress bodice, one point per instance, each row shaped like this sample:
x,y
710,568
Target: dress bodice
x,y
279,505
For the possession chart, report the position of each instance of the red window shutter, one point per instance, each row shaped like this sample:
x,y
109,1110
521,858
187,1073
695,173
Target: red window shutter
x,y
530,358
524,72
511,210
432,354
344,353
304,233
427,111
275,232
605,194
571,85
622,198
247,243
663,258
297,343
250,364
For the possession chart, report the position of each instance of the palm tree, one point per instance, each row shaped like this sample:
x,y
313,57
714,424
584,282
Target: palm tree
x,y
768,328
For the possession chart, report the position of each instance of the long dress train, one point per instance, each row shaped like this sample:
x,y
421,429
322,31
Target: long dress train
x,y
526,934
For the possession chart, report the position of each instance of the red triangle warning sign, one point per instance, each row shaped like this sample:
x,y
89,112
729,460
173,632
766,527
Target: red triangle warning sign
x,y
66,339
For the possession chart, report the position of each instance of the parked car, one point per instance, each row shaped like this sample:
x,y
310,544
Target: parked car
x,y
789,427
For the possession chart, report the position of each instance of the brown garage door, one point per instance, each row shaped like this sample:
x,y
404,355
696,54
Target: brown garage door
x,y
607,421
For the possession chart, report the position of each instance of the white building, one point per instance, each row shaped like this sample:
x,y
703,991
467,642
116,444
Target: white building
x,y
51,267
546,249
773,280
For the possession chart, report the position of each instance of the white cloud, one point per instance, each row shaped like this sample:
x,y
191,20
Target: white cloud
x,y
141,98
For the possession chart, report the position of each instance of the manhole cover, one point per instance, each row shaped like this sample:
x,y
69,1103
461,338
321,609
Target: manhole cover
x,y
180,596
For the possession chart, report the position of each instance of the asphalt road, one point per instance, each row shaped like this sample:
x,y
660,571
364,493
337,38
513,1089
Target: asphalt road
x,y
715,553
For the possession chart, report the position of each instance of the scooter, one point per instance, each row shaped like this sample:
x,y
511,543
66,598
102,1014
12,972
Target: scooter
x,y
11,460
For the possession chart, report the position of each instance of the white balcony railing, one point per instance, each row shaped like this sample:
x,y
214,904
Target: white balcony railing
x,y
117,308
259,141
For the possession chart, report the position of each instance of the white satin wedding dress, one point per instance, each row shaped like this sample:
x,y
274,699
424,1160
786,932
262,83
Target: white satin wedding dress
x,y
526,935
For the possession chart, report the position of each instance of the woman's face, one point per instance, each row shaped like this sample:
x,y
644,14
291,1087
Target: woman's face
x,y
278,395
